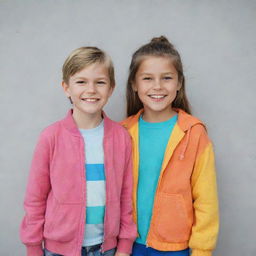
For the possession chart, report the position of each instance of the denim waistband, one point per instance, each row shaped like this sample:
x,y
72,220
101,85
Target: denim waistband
x,y
91,248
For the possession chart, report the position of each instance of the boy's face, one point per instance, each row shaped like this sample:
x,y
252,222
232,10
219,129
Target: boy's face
x,y
89,90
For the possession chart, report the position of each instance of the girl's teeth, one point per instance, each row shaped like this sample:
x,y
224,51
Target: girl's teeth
x,y
157,96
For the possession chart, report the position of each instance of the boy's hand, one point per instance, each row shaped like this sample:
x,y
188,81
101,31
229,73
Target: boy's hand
x,y
121,254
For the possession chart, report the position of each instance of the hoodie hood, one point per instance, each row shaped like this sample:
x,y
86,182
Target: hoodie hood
x,y
185,122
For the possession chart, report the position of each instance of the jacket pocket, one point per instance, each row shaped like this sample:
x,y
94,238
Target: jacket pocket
x,y
61,222
172,223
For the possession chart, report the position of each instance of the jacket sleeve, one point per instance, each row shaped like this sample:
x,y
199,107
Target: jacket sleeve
x,y
31,230
205,201
128,230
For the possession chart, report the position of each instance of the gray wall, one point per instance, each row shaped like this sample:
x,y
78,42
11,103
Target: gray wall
x,y
217,42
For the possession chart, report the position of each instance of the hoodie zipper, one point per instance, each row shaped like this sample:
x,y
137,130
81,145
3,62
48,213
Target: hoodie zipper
x,y
181,157
158,185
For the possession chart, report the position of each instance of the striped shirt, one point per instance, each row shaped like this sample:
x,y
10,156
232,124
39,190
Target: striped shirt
x,y
95,185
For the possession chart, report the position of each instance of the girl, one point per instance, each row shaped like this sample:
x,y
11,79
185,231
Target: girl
x,y
174,196
78,199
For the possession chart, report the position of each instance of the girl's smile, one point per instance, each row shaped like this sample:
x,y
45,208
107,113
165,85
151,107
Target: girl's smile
x,y
156,83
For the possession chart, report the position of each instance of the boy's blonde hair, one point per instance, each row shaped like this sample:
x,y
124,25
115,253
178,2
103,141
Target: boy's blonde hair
x,y
83,57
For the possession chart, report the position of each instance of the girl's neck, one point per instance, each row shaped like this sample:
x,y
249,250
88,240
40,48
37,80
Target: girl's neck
x,y
86,121
157,117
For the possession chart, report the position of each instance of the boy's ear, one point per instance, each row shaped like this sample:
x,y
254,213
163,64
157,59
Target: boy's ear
x,y
111,90
65,88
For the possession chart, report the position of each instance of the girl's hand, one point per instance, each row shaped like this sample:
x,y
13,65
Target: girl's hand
x,y
121,254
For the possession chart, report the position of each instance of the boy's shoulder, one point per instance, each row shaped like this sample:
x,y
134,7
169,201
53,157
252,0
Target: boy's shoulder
x,y
51,129
116,130
117,127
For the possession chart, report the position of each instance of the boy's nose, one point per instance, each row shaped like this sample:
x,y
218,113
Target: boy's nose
x,y
91,87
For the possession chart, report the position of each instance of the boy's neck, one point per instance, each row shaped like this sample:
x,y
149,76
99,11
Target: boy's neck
x,y
86,121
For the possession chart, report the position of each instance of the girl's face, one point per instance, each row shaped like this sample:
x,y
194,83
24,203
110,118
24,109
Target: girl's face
x,y
156,83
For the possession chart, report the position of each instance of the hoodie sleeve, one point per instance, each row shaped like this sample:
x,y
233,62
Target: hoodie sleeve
x,y
31,230
128,231
204,192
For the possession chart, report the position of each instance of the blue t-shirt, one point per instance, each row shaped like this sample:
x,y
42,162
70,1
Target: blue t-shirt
x,y
153,139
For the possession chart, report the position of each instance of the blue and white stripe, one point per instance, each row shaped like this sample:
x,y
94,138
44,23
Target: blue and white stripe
x,y
95,185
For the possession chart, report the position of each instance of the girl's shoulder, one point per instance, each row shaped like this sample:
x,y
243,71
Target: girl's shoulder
x,y
192,125
186,121
131,120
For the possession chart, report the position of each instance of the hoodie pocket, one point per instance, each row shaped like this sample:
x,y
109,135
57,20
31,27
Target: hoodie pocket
x,y
172,223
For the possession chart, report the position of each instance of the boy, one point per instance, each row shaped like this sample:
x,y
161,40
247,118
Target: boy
x,y
78,199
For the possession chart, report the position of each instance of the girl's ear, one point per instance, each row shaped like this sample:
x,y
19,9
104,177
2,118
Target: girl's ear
x,y
134,87
180,82
65,88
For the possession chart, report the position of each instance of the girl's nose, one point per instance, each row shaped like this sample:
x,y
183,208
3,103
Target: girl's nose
x,y
157,84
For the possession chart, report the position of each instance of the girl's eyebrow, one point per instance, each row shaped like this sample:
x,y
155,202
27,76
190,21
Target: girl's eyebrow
x,y
143,74
164,73
103,77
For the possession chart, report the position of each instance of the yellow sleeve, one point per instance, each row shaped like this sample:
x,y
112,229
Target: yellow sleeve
x,y
205,201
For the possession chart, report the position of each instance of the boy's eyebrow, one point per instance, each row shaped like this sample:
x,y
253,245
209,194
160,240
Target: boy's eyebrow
x,y
81,77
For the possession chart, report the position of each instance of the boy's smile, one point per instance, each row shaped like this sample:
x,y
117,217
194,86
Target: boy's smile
x,y
89,90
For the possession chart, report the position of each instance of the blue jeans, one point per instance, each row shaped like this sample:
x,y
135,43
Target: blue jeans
x,y
85,252
142,250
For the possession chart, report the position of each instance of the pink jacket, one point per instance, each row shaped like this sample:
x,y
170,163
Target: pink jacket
x,y
55,199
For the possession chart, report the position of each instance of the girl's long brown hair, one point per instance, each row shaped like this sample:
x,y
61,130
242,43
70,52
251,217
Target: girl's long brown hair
x,y
157,47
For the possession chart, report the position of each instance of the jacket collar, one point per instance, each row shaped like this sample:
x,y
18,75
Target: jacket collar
x,y
69,123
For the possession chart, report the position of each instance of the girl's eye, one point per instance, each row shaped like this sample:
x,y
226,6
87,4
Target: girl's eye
x,y
167,78
146,78
101,82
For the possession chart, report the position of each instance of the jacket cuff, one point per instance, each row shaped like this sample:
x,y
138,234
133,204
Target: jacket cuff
x,y
125,245
35,250
198,252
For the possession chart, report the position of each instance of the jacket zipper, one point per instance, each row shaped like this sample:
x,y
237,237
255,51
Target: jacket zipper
x,y
105,214
84,181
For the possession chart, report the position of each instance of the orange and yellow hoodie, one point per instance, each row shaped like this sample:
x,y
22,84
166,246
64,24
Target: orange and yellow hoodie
x,y
185,211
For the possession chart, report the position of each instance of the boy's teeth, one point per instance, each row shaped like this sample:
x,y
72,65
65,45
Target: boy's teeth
x,y
157,96
91,100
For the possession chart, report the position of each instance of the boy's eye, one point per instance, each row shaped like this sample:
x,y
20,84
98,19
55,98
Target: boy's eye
x,y
80,82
